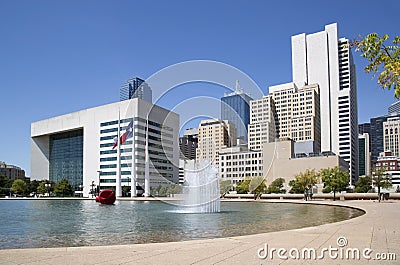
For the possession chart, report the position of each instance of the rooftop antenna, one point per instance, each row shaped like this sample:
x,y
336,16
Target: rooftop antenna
x,y
237,86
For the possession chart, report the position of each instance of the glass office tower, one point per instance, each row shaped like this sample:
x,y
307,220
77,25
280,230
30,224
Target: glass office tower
x,y
235,107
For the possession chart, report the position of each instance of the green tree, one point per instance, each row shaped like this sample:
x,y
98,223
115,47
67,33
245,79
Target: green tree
x,y
19,186
33,185
44,187
304,180
224,187
63,188
334,179
243,186
381,179
257,185
5,185
382,58
363,184
295,187
276,186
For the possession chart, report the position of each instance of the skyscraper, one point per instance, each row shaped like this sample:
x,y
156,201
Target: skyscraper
x,y
235,107
321,58
394,108
135,88
364,155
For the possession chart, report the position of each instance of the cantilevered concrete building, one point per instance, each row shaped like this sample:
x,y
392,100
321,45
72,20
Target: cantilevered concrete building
x,y
79,146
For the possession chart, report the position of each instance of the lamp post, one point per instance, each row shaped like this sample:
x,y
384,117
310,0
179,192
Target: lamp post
x,y
81,190
48,185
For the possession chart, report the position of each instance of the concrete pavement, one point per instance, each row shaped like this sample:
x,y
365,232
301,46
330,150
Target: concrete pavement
x,y
374,234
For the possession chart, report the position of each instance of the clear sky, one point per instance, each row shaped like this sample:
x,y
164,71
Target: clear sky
x,y
58,57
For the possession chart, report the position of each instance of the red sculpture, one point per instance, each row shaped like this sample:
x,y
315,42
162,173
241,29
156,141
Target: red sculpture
x,y
106,197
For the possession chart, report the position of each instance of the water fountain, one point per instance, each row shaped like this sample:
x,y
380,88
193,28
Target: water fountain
x,y
201,190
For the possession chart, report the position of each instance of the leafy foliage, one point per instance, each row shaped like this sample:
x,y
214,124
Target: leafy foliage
x,y
334,179
257,185
224,187
381,180
63,188
276,186
363,184
383,59
243,186
19,186
43,189
303,180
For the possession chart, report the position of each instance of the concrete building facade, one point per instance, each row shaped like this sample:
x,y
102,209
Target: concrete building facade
x,y
237,163
364,155
262,122
279,161
321,58
12,172
214,134
391,135
79,146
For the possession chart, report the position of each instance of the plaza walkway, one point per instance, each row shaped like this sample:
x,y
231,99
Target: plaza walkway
x,y
374,234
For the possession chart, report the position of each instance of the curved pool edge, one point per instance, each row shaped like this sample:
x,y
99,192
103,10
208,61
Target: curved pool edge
x,y
368,230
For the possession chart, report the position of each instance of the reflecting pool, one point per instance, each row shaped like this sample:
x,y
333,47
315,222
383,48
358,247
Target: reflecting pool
x,y
62,223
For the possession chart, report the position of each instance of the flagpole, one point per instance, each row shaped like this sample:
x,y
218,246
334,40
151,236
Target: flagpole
x,y
146,169
133,170
118,180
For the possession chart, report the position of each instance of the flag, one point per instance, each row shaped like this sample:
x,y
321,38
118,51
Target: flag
x,y
127,134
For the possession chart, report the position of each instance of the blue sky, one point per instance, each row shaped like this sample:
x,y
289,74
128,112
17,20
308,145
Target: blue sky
x,y
58,57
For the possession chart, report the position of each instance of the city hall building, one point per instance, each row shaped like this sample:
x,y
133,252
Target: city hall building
x,y
80,147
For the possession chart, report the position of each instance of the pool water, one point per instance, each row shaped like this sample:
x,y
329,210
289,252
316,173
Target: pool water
x,y
66,223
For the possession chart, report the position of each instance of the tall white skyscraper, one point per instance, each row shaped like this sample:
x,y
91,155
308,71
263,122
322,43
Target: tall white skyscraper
x,y
321,58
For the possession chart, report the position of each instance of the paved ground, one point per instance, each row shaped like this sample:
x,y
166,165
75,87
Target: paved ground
x,y
378,230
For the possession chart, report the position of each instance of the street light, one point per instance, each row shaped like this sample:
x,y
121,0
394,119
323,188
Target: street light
x,y
81,190
47,185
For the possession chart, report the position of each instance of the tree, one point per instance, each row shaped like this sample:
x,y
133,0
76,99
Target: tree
x,y
383,59
33,185
276,186
381,180
224,187
363,184
45,187
243,186
304,180
334,179
19,186
5,184
63,188
257,185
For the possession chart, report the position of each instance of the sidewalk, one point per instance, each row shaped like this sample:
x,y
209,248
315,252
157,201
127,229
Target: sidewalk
x,y
378,230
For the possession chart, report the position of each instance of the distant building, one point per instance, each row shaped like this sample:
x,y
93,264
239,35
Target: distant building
x,y
262,122
324,59
235,108
279,161
12,172
79,146
188,144
237,163
391,164
136,88
214,134
394,109
391,133
364,128
377,135
364,159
